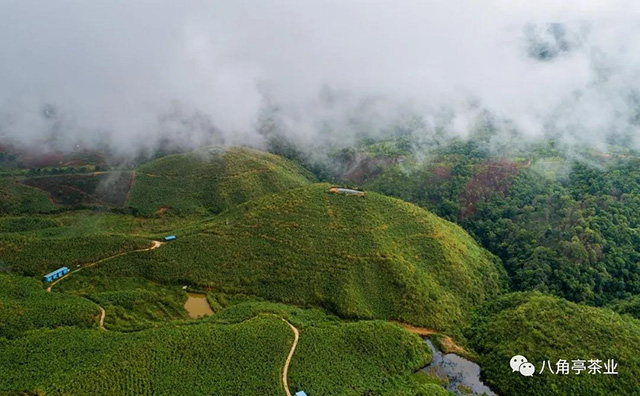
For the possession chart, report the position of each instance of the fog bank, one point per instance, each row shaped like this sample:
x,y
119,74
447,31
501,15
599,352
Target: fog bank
x,y
137,74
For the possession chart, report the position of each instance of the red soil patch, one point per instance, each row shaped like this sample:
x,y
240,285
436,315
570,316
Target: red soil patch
x,y
448,344
363,167
441,172
489,178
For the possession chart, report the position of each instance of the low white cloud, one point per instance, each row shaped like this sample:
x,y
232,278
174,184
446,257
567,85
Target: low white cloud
x,y
134,73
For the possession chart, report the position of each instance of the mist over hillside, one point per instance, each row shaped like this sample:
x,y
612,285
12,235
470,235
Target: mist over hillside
x,y
130,78
319,198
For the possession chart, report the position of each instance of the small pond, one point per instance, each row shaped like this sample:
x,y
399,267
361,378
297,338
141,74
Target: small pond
x,y
197,305
462,374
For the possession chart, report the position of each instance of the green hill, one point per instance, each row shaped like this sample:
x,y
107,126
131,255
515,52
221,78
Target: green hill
x,y
24,306
16,198
240,351
201,359
33,255
211,180
360,257
544,328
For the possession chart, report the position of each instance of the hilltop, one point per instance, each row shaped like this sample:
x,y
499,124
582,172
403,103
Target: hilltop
x,y
211,180
208,180
360,257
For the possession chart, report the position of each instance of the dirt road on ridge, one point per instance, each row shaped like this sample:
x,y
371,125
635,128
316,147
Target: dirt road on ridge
x,y
285,370
155,245
103,313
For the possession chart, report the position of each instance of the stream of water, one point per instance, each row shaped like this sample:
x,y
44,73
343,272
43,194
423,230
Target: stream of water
x,y
463,374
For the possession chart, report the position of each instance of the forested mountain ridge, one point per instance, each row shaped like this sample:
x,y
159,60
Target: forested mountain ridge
x,y
562,224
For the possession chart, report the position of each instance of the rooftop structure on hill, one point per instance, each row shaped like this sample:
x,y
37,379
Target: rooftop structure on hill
x,y
59,273
346,191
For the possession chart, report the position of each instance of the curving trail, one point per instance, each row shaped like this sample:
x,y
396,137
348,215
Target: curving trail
x,y
103,313
154,245
285,371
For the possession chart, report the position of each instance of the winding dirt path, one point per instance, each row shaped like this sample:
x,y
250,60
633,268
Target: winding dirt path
x,y
103,313
155,245
285,370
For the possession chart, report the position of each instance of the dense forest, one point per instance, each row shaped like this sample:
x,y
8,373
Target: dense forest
x,y
562,223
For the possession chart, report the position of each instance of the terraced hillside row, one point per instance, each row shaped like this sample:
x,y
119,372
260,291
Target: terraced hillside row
x,y
34,255
132,303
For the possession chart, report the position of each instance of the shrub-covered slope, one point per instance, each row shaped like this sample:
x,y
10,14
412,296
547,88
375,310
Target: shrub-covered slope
x,y
239,359
544,328
16,198
360,257
211,180
108,189
35,255
239,351
24,306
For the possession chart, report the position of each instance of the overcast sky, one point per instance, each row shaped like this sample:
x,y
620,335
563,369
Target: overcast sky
x,y
127,72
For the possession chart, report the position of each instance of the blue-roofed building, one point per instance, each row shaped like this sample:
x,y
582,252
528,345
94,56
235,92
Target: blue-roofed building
x,y
169,238
59,273
301,393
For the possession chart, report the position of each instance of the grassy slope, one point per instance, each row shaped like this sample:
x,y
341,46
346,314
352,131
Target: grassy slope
x,y
547,328
16,198
108,189
240,359
34,245
26,223
34,256
370,257
24,306
358,358
335,357
211,180
132,303
239,351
